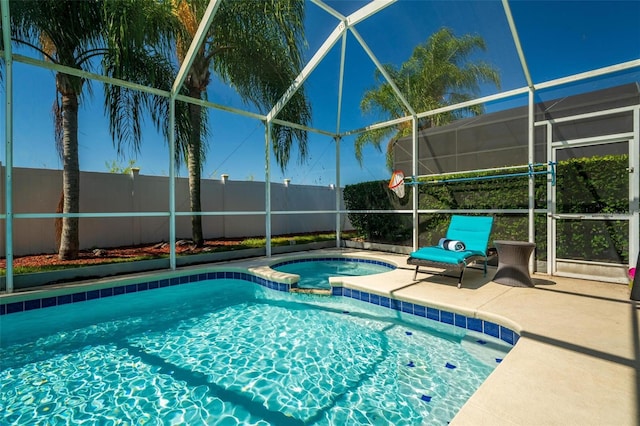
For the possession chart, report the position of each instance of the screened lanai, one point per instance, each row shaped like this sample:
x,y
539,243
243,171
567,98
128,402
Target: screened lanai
x,y
563,99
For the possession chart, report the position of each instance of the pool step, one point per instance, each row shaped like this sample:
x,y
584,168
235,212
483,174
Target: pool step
x,y
319,291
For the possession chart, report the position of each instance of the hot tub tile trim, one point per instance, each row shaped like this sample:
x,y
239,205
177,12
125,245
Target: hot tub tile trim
x,y
335,258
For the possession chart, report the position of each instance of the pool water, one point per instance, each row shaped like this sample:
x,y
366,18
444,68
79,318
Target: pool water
x,y
315,273
229,352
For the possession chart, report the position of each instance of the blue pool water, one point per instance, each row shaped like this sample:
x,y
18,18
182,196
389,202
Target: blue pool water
x,y
230,352
315,272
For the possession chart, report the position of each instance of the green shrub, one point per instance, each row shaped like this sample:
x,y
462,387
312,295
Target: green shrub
x,y
379,227
584,185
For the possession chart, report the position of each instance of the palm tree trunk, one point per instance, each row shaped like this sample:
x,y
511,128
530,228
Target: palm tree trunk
x,y
58,223
193,163
70,241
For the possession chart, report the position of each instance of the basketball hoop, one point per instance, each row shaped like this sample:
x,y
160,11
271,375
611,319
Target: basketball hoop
x,y
396,184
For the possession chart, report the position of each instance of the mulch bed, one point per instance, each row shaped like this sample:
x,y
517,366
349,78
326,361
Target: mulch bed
x,y
98,256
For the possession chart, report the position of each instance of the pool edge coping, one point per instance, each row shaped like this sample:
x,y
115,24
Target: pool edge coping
x,y
267,271
84,291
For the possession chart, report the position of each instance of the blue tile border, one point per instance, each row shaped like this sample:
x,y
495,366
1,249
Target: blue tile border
x,y
433,314
458,320
446,317
474,324
81,296
338,259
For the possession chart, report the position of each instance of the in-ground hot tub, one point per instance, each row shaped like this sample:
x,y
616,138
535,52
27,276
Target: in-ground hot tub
x,y
314,272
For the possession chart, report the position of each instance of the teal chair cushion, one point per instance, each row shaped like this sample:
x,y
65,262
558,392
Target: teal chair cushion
x,y
473,231
438,254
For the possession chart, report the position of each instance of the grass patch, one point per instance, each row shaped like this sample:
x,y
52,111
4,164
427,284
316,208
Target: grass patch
x,y
285,241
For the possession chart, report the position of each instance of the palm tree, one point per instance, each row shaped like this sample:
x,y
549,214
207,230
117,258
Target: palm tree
x,y
114,35
255,47
437,74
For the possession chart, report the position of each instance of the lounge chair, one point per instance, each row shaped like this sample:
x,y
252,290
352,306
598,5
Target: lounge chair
x,y
473,231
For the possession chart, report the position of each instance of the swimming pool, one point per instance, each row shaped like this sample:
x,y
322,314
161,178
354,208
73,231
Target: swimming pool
x,y
229,351
315,272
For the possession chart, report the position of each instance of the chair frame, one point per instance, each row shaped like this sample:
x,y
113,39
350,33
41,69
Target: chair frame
x,y
459,266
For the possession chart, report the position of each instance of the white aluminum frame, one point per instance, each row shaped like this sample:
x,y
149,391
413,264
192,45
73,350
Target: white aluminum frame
x,y
346,23
633,217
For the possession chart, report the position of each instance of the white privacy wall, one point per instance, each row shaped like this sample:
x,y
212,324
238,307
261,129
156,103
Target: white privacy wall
x,y
38,191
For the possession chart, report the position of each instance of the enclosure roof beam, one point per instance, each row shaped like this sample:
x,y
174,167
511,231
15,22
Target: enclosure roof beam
x,y
332,39
366,11
490,98
197,41
307,70
516,41
466,104
504,95
302,127
331,11
88,75
134,86
209,104
380,125
384,72
343,54
623,66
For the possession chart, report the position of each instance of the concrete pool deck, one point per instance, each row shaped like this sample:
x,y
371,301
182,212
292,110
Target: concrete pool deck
x,y
577,361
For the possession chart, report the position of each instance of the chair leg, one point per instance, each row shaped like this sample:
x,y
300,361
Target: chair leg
x,y
460,279
485,268
415,274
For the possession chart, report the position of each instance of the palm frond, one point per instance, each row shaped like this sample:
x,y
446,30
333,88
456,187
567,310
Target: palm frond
x,y
438,73
246,46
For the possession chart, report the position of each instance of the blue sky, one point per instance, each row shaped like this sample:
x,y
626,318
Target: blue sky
x,y
559,38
